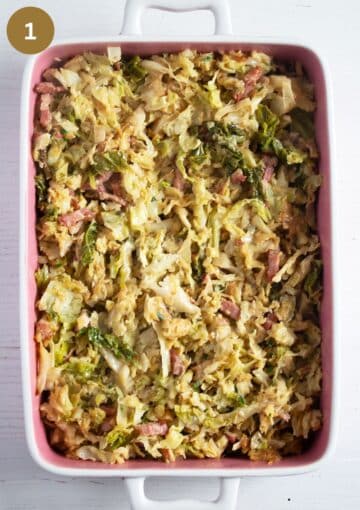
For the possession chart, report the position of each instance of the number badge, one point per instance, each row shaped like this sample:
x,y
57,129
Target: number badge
x,y
30,30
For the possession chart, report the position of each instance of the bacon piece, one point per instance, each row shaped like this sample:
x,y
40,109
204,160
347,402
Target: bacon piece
x,y
250,80
74,203
178,180
44,330
273,264
155,428
46,87
57,439
75,218
285,416
177,365
46,90
237,177
104,195
45,114
205,278
57,134
102,179
271,318
99,184
109,410
108,424
101,146
114,184
45,118
253,76
231,437
108,187
101,194
270,164
230,309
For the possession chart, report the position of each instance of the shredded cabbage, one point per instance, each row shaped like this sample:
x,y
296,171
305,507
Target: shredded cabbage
x,y
180,276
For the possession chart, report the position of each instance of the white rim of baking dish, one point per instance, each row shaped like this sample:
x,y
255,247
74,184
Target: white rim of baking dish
x,y
24,305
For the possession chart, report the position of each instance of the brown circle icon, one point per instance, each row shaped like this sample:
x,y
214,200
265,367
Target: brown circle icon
x,y
30,30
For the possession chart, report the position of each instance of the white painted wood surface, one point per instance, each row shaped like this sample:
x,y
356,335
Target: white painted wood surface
x,y
335,29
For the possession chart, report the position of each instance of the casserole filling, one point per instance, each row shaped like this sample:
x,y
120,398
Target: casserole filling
x,y
179,278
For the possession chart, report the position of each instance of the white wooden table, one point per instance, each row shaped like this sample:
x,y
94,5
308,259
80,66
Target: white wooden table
x,y
334,27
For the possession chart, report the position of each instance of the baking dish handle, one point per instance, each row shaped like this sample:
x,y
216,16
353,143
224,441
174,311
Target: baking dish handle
x,y
226,500
134,9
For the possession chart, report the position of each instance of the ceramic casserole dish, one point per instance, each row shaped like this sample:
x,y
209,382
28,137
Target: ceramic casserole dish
x,y
132,41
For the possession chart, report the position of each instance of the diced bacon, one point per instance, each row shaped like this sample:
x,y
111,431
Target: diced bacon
x,y
44,330
74,201
44,109
205,278
45,100
269,167
268,324
273,264
253,76
108,424
46,87
238,96
271,318
108,187
152,429
268,172
72,219
109,410
177,365
285,416
45,118
230,309
57,135
104,195
101,146
250,80
231,437
178,180
114,184
237,177
100,181
57,437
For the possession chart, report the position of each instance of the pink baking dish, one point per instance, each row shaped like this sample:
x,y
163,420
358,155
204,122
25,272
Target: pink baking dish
x,y
229,469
